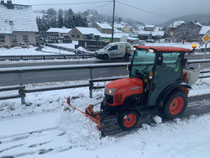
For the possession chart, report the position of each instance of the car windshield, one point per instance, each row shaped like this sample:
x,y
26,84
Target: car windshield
x,y
143,61
107,47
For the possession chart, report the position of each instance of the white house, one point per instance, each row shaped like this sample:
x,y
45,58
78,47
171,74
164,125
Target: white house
x,y
17,24
59,32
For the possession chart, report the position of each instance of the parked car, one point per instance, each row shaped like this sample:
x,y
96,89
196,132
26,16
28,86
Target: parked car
x,y
115,50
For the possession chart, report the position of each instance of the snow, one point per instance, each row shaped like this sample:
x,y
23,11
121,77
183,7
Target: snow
x,y
176,24
77,136
204,30
68,45
21,18
28,123
88,30
153,33
18,51
104,25
53,51
21,51
59,30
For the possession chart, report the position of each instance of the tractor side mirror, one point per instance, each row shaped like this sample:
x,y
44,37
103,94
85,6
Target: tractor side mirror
x,y
184,62
160,61
128,67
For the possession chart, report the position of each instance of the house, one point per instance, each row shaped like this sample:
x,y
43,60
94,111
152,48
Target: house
x,y
17,24
149,28
172,27
204,30
151,32
81,33
58,32
188,32
102,27
123,27
61,35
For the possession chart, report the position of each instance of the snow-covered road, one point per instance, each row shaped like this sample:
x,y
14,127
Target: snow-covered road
x,y
44,130
68,134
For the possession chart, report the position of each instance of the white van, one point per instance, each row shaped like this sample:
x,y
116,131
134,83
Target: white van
x,y
115,50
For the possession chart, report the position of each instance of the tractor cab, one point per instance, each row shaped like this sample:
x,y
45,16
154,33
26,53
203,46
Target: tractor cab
x,y
160,68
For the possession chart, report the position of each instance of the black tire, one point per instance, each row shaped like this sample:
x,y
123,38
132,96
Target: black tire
x,y
174,105
128,119
126,56
105,57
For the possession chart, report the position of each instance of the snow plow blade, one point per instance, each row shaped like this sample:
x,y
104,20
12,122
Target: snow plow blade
x,y
95,116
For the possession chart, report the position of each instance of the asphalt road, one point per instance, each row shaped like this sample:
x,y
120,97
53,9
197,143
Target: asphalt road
x,y
68,75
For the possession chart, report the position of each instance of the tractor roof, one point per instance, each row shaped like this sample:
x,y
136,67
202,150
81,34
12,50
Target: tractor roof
x,y
165,49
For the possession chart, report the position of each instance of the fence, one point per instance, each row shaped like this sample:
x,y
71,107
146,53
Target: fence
x,y
22,91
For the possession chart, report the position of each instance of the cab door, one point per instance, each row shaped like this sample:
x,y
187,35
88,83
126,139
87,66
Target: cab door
x,y
167,72
113,51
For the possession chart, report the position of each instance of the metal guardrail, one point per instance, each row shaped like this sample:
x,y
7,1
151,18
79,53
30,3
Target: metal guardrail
x,y
45,57
22,91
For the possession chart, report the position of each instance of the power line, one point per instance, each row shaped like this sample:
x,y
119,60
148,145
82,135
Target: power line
x,y
144,10
101,6
75,3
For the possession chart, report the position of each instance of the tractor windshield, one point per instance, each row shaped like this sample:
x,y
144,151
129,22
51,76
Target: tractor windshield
x,y
143,61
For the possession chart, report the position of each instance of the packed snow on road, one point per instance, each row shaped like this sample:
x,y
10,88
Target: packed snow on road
x,y
45,130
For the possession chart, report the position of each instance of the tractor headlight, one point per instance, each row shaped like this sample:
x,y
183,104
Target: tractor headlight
x,y
110,91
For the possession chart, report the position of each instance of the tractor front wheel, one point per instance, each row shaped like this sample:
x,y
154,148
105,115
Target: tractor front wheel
x,y
128,120
175,105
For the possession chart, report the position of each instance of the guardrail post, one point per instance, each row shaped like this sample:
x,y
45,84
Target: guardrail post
x,y
91,83
21,91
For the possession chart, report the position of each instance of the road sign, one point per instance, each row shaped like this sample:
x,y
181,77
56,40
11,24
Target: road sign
x,y
206,38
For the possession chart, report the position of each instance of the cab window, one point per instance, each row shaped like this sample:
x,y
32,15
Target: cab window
x,y
115,47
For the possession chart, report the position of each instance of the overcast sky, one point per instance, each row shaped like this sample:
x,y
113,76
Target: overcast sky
x,y
168,8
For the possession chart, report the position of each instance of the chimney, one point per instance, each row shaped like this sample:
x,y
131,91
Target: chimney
x,y
9,4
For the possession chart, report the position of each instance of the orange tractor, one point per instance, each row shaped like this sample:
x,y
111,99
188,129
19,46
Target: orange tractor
x,y
156,83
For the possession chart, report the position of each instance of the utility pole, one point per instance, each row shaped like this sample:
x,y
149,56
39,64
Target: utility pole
x,y
113,17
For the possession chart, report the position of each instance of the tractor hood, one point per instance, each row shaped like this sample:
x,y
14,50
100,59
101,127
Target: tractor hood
x,y
125,83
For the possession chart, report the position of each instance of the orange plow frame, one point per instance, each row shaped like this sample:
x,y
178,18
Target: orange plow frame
x,y
95,116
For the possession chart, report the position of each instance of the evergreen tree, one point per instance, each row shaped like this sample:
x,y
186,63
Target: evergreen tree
x,y
60,18
69,19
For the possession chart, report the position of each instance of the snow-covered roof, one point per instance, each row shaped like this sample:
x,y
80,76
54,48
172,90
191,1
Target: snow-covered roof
x,y
119,25
104,25
59,30
204,30
21,18
150,26
153,33
176,24
88,30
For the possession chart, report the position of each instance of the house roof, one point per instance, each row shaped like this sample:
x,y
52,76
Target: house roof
x,y
176,24
204,30
21,18
88,30
104,25
59,30
153,33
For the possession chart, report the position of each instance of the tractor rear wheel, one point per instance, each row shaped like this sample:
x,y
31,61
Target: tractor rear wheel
x,y
128,119
175,105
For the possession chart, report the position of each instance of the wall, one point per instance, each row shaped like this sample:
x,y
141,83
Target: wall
x,y
7,41
31,37
74,33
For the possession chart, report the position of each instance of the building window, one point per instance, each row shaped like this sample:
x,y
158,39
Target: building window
x,y
2,38
14,38
73,36
78,36
25,38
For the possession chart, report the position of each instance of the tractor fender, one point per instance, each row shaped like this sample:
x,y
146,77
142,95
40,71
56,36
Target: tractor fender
x,y
169,90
